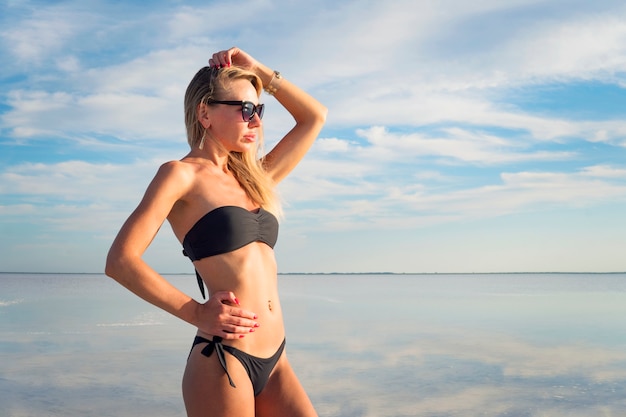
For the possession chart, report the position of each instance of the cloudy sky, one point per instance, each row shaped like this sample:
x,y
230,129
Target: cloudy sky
x,y
484,136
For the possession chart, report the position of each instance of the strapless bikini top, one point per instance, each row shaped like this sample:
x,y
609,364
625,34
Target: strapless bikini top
x,y
226,229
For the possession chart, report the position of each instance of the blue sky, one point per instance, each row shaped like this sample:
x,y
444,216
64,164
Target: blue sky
x,y
462,136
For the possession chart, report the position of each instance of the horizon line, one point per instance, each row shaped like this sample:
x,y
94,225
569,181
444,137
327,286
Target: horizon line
x,y
351,273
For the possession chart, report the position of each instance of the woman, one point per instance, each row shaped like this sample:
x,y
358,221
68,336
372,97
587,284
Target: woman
x,y
220,203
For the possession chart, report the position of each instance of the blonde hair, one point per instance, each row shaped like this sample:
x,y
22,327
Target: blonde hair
x,y
247,167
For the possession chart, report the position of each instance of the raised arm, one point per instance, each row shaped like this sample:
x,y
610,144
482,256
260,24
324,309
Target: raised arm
x,y
308,113
125,264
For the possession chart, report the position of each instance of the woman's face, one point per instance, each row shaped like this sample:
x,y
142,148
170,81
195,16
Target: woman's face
x,y
227,123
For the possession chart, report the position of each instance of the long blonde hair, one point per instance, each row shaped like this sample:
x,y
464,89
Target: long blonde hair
x,y
247,167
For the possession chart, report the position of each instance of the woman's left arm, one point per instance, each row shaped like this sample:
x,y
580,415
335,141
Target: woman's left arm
x,y
308,113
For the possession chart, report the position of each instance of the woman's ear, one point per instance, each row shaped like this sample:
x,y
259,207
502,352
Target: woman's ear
x,y
203,115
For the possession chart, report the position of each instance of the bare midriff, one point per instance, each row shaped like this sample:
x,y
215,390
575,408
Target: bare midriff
x,y
250,273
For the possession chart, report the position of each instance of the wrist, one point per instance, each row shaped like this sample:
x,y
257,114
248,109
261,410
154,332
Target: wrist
x,y
192,313
271,79
273,85
264,72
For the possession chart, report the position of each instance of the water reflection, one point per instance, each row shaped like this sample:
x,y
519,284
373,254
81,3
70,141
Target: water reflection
x,y
366,346
476,349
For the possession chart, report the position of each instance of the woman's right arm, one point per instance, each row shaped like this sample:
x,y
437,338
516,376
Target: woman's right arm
x,y
218,316
308,113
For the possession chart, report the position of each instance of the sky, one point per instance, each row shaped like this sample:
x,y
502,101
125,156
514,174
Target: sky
x,y
485,136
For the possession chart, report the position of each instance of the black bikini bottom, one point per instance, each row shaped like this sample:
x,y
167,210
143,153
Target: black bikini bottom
x,y
258,369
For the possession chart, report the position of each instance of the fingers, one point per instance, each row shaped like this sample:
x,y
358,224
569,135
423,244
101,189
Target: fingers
x,y
233,323
225,297
233,56
229,298
238,329
219,60
223,317
223,59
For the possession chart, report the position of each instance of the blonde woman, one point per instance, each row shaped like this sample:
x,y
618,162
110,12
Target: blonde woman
x,y
220,202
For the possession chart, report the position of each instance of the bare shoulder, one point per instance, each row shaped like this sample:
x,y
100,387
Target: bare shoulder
x,y
176,168
170,183
175,172
179,180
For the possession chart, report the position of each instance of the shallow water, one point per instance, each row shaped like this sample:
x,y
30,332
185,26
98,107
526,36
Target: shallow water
x,y
362,345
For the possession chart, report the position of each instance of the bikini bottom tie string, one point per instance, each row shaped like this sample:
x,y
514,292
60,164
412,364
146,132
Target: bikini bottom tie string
x,y
217,346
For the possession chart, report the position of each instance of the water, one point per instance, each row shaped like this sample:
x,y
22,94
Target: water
x,y
362,345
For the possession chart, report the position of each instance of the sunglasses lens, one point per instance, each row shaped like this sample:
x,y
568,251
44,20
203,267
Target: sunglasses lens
x,y
248,110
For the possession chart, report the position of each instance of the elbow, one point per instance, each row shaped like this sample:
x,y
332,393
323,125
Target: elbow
x,y
111,266
318,118
115,264
322,114
314,117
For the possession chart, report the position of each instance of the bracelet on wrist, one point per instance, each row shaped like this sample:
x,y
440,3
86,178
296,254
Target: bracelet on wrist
x,y
274,85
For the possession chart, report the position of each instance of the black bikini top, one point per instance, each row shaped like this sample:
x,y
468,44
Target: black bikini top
x,y
226,229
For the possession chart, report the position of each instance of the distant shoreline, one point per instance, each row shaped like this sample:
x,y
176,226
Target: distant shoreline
x,y
351,273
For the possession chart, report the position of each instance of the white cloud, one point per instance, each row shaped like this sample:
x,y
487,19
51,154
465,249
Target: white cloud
x,y
16,210
585,47
126,115
332,145
76,191
604,171
44,33
421,93
75,196
194,23
392,203
143,97
455,143
522,191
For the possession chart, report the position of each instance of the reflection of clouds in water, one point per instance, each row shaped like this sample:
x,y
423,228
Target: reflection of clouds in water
x,y
102,374
363,347
428,372
519,358
455,372
461,346
7,303
152,318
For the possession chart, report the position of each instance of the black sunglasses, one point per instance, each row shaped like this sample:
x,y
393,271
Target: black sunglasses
x,y
248,108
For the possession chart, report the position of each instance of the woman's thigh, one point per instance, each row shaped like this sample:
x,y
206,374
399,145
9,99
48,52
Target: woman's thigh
x,y
207,392
284,395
